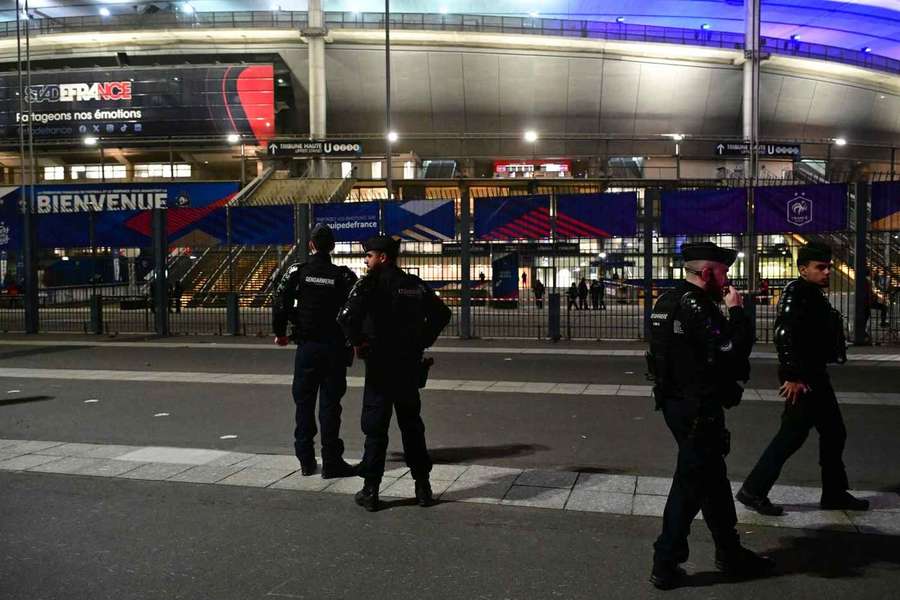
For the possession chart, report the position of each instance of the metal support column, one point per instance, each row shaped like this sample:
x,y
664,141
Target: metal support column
x,y
650,197
302,232
29,260
859,264
751,86
389,181
315,39
160,288
465,265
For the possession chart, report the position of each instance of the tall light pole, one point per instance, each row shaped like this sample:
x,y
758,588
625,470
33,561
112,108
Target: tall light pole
x,y
387,97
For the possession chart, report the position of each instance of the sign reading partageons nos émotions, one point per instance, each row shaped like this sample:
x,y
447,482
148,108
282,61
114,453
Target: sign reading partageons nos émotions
x,y
142,102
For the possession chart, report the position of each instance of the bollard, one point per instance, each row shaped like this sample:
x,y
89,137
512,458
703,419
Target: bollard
x,y
233,314
97,314
553,313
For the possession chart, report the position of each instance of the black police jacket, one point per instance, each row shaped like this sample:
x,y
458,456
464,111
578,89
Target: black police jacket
x,y
697,353
396,313
809,333
309,295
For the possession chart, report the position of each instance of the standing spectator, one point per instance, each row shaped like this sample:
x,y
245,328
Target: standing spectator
x,y
524,280
538,289
582,294
177,291
481,276
596,288
572,297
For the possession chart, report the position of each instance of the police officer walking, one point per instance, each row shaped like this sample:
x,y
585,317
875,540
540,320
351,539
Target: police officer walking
x,y
310,295
390,318
809,333
696,358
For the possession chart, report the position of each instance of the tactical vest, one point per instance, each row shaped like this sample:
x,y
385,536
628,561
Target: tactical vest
x,y
663,327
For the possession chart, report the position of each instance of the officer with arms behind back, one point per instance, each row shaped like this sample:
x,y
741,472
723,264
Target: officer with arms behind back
x,y
696,358
809,333
390,318
310,295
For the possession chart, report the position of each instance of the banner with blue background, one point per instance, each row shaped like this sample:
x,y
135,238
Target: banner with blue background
x,y
596,215
350,221
801,208
886,206
512,218
696,212
421,220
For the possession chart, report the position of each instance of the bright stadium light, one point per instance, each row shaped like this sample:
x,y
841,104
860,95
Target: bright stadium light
x,y
444,10
104,12
531,136
740,255
89,141
866,49
534,14
706,27
840,142
795,37
233,138
677,136
602,255
620,19
187,8
392,136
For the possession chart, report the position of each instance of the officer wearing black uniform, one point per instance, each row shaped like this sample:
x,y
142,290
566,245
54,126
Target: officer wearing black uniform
x,y
696,358
390,318
309,296
809,334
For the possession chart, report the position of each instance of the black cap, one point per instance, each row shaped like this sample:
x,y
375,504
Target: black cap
x,y
813,251
708,251
383,243
322,237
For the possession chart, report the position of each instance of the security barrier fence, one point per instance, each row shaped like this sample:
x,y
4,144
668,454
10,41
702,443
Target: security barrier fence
x,y
516,287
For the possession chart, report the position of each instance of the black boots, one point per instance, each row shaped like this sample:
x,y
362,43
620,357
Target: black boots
x,y
308,466
424,496
760,504
666,575
741,562
368,497
843,501
333,470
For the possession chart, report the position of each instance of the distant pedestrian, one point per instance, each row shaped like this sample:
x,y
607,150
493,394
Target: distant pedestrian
x,y
572,297
524,281
481,276
582,294
596,294
538,289
177,292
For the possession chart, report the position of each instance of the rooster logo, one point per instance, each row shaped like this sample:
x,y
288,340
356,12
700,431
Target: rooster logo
x,y
799,210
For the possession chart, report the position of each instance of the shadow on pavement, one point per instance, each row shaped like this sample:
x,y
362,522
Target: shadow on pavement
x,y
39,351
466,453
25,400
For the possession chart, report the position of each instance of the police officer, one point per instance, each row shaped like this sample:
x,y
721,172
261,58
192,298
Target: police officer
x,y
809,333
696,358
390,318
310,295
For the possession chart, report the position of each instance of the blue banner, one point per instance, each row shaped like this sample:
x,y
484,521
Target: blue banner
x,y
256,225
505,280
512,218
121,216
698,212
886,206
421,220
10,220
350,221
801,208
596,215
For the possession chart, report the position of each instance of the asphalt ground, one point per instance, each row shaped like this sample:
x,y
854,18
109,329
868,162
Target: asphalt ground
x,y
73,538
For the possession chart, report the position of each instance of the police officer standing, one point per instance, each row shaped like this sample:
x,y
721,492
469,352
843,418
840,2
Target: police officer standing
x,y
809,333
390,318
310,295
696,358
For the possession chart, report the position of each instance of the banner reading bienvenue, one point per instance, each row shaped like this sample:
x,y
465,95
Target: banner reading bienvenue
x,y
350,221
697,212
801,208
421,220
886,206
512,218
596,215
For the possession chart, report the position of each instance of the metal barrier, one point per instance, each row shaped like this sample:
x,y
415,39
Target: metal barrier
x,y
629,32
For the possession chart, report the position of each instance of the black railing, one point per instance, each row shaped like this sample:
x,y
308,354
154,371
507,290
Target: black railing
x,y
601,30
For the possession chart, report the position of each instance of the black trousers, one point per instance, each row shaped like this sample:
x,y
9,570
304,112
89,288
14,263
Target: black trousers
x,y
700,483
817,408
390,388
320,369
